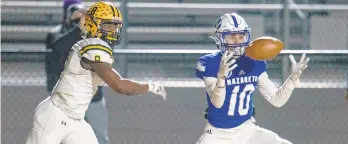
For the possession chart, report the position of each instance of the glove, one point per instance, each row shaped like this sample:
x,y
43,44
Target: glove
x,y
254,111
226,65
157,89
206,114
298,67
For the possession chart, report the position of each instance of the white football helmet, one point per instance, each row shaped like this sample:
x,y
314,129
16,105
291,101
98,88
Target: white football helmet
x,y
232,24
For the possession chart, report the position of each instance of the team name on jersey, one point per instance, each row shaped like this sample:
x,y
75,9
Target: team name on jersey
x,y
241,80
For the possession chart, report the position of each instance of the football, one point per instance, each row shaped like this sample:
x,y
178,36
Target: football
x,y
264,48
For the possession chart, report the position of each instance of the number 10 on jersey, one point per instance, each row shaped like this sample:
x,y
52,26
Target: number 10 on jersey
x,y
242,94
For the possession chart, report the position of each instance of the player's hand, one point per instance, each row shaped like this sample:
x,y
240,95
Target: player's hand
x,y
298,67
157,89
226,64
206,114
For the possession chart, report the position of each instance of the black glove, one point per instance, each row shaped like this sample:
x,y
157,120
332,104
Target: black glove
x,y
206,114
254,111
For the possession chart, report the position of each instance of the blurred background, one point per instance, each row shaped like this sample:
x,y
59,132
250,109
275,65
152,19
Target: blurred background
x,y
162,41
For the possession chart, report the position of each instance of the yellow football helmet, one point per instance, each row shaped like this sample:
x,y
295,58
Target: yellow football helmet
x,y
104,21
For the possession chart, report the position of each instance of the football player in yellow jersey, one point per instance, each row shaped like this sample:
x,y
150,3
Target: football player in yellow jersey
x,y
60,117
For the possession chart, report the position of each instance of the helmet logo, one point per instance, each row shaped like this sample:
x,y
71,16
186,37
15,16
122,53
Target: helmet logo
x,y
93,11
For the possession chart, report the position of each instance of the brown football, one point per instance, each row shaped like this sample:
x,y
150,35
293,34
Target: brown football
x,y
264,48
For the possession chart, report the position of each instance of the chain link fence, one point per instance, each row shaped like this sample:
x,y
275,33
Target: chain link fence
x,y
325,70
312,116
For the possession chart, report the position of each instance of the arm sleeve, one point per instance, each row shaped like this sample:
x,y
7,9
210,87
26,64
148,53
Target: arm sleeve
x,y
63,42
276,96
207,69
97,53
216,94
48,41
51,75
73,35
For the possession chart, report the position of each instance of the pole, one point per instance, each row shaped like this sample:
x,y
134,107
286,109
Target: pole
x,y
286,36
124,42
306,28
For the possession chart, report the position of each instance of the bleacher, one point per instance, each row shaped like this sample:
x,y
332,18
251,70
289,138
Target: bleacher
x,y
174,28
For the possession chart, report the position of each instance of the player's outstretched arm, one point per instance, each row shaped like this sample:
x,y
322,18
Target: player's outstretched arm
x,y
279,96
215,87
122,85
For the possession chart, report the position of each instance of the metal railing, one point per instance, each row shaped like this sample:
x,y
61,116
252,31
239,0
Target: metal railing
x,y
175,68
184,51
212,9
328,68
137,8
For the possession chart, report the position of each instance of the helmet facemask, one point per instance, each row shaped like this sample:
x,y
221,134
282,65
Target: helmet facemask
x,y
111,32
104,21
235,41
232,33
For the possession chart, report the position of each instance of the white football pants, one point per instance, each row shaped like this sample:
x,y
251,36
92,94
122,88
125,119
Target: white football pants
x,y
52,126
247,133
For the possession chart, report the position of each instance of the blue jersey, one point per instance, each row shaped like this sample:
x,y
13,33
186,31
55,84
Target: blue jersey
x,y
240,84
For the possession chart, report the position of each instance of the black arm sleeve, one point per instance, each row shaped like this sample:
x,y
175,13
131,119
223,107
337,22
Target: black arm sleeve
x,y
61,47
52,75
60,43
73,35
64,41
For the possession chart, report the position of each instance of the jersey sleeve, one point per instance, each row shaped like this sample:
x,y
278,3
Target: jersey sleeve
x,y
206,67
261,67
97,53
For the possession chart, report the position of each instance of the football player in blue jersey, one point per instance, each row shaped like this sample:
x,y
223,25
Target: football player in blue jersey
x,y
230,79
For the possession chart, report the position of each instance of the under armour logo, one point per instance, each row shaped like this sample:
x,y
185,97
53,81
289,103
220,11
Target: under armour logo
x,y
241,72
63,123
208,131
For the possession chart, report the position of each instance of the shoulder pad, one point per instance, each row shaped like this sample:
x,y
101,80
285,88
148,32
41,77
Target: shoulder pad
x,y
95,50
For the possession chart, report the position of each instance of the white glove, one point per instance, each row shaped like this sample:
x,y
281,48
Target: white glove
x,y
225,65
157,89
298,67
